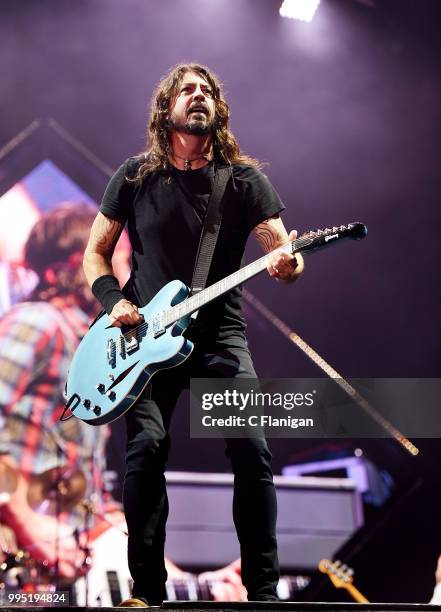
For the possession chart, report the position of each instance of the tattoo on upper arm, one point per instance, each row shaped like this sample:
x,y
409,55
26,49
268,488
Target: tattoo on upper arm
x,y
105,233
267,236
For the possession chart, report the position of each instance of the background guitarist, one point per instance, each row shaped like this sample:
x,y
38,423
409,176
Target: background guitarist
x,y
37,340
163,194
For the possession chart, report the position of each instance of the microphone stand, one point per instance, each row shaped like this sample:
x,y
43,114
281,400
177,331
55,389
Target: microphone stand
x,y
56,487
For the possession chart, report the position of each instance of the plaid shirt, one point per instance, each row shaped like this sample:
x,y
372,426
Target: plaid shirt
x,y
37,342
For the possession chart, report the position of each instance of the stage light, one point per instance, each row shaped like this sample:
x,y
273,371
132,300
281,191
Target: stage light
x,y
299,9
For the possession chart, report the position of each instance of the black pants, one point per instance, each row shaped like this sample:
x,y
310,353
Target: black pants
x,y
145,496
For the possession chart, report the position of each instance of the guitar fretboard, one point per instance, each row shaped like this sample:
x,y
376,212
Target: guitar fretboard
x,y
193,303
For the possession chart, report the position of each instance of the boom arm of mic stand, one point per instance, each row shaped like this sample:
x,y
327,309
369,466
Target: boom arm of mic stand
x,y
331,372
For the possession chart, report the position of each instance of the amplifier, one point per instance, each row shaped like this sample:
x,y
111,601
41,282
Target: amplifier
x,y
316,516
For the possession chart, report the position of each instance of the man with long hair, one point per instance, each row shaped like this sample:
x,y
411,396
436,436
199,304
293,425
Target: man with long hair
x,y
163,194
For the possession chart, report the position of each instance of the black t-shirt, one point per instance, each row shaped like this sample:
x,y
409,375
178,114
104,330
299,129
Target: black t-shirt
x,y
165,216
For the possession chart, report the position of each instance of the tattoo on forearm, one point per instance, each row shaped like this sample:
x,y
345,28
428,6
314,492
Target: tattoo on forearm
x,y
268,237
105,233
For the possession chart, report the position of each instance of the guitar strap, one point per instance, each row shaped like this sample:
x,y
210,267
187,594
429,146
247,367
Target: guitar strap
x,y
210,229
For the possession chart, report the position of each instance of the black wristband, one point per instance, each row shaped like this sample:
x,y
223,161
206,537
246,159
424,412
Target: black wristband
x,y
106,289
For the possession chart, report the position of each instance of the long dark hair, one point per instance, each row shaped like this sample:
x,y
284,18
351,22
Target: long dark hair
x,y
155,156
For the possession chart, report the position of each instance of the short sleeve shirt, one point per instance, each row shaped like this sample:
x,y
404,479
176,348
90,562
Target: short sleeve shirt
x,y
165,214
37,341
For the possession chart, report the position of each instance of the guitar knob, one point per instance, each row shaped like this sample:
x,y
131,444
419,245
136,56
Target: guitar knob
x,y
86,403
101,387
111,395
97,410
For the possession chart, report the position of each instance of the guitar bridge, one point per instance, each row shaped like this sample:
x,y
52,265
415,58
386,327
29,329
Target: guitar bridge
x,y
131,343
122,347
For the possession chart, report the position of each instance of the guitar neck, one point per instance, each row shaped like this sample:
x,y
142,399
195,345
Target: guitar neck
x,y
307,243
355,594
193,303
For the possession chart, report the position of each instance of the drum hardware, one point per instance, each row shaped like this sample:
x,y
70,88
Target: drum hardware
x,y
63,486
55,491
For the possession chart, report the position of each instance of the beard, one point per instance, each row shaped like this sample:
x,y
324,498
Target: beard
x,y
192,126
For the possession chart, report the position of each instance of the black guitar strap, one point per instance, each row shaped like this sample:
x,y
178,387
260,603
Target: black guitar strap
x,y
210,230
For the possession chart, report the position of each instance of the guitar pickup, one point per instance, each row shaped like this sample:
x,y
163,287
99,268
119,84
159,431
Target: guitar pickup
x,y
157,325
111,352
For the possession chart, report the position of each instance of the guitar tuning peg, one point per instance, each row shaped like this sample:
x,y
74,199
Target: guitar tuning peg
x,y
350,572
343,228
335,229
344,567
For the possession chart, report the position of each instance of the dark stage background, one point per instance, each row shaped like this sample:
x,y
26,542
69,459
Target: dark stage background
x,y
346,111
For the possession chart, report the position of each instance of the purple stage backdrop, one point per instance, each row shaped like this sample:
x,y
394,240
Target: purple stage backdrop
x,y
345,110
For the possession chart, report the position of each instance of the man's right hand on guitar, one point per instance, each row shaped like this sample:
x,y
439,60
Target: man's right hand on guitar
x,y
125,313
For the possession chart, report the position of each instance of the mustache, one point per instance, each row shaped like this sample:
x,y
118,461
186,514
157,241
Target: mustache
x,y
198,107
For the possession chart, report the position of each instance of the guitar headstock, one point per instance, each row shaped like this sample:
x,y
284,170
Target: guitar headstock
x,y
340,574
311,241
355,231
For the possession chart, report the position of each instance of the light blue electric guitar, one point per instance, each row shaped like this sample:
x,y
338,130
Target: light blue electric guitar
x,y
113,365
